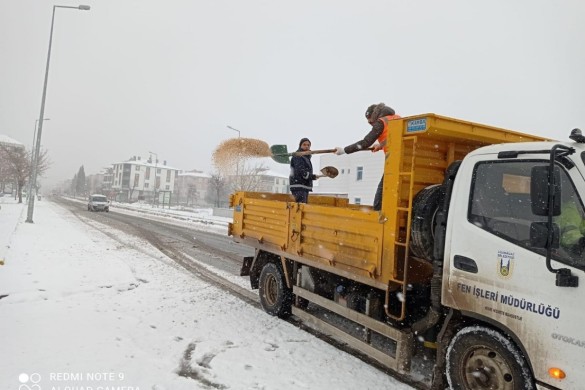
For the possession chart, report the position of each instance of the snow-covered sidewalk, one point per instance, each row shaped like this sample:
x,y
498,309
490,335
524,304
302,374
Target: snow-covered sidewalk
x,y
84,311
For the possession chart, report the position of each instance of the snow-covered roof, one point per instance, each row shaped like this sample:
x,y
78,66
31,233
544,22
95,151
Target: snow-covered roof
x,y
145,163
195,174
4,139
273,174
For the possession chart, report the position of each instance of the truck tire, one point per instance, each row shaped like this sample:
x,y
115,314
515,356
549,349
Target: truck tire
x,y
482,358
424,211
275,296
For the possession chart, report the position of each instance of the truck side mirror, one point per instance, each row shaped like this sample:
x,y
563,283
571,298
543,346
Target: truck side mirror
x,y
539,235
539,190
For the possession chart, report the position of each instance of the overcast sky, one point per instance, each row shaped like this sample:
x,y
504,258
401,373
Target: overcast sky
x,y
132,76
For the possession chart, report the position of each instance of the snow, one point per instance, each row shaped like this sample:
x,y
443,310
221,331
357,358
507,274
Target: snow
x,y
4,139
99,309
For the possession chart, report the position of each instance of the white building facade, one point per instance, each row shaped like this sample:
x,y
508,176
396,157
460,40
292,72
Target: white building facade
x,y
262,181
139,179
359,175
191,188
274,182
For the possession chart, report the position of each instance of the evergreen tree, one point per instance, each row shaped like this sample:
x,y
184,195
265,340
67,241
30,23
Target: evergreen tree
x,y
74,186
80,186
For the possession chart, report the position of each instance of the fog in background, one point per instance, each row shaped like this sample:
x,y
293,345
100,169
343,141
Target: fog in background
x,y
132,76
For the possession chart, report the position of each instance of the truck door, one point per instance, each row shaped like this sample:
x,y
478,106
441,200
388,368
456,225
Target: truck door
x,y
494,273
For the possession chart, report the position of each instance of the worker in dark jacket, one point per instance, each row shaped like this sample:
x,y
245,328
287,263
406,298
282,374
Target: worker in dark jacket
x,y
301,173
378,116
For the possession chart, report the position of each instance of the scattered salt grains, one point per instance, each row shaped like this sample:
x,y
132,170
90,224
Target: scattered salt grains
x,y
235,150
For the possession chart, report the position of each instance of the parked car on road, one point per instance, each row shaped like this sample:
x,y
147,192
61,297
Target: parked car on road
x,y
98,203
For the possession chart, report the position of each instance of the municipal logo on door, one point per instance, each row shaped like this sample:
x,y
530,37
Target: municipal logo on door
x,y
505,264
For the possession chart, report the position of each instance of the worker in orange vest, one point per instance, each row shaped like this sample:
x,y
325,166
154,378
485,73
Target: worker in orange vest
x,y
378,115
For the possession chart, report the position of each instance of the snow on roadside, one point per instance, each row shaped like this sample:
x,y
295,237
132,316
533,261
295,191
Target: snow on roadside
x,y
199,219
81,304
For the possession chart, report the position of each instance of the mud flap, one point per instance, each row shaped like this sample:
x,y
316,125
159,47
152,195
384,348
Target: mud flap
x,y
246,264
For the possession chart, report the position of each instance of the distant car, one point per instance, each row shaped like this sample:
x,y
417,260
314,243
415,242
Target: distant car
x,y
98,203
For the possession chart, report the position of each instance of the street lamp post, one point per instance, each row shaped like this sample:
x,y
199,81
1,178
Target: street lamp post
x,y
238,161
155,169
29,193
33,179
231,128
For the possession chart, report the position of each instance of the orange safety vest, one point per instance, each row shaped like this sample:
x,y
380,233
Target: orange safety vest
x,y
382,138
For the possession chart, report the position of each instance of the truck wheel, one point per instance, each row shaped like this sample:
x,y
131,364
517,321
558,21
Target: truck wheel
x,y
422,230
275,296
482,358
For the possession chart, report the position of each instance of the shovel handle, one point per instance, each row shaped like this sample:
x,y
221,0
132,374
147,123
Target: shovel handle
x,y
322,151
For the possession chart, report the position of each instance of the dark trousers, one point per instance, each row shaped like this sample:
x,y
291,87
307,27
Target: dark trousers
x,y
301,196
378,196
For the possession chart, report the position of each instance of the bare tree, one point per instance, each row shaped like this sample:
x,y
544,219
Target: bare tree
x,y
249,178
5,176
15,162
218,189
192,195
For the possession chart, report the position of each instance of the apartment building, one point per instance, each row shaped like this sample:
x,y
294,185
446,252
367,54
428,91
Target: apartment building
x,y
261,181
359,175
144,180
191,188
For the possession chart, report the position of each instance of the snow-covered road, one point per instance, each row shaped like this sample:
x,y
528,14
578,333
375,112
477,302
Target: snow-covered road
x,y
82,311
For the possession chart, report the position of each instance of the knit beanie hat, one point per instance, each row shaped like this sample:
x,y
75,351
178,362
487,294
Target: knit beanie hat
x,y
370,110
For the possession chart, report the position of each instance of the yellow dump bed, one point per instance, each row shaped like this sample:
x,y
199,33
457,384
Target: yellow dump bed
x,y
350,240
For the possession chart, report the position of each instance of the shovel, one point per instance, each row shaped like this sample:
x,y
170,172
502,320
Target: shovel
x,y
281,155
328,171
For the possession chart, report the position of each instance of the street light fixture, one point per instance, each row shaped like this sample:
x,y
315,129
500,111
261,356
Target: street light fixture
x,y
33,179
155,170
229,127
32,155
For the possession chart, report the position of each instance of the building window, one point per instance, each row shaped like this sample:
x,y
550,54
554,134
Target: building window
x,y
168,177
360,174
348,171
137,167
167,187
158,171
342,171
136,179
147,174
357,200
146,185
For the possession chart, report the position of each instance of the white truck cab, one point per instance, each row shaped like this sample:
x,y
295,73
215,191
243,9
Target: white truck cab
x,y
499,268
